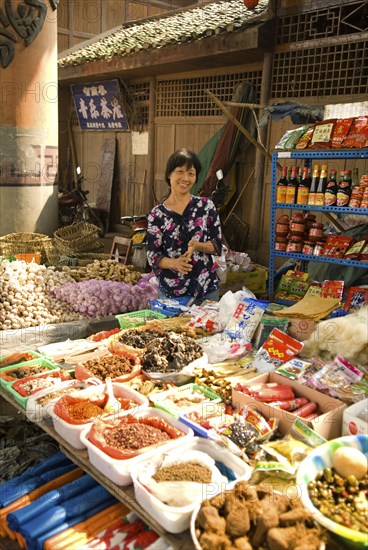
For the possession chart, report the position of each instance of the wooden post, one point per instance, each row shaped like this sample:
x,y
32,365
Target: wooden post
x,y
149,201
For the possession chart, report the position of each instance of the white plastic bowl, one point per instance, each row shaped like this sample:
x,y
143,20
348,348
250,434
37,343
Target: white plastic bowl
x,y
117,470
36,412
72,432
176,519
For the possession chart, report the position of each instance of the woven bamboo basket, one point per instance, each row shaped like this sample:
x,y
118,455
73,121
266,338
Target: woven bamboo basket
x,y
77,237
26,243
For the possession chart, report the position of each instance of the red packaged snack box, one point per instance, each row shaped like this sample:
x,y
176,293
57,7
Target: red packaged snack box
x,y
357,297
358,133
340,132
322,135
332,289
336,246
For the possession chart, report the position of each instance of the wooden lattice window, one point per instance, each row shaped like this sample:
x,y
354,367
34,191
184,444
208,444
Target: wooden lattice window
x,y
326,22
327,71
136,101
187,96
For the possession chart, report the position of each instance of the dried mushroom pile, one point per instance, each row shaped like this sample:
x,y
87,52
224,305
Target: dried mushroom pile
x,y
107,270
170,353
25,296
138,339
255,517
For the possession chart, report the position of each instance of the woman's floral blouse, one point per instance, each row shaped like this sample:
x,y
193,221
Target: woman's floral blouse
x,y
169,233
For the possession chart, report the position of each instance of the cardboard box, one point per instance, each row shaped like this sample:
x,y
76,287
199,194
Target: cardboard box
x,y
301,329
328,424
253,280
351,424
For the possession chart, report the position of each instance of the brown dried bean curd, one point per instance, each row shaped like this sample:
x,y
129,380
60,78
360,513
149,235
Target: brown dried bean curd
x,y
135,436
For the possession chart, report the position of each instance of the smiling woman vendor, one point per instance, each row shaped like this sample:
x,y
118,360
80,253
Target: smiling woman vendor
x,y
183,233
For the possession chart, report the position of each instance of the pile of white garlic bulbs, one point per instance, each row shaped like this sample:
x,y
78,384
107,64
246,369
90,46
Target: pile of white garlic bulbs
x,y
25,295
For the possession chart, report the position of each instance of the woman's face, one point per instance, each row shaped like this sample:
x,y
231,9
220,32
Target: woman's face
x,y
182,179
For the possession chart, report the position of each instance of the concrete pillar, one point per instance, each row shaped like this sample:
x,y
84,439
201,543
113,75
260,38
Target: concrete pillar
x,y
28,116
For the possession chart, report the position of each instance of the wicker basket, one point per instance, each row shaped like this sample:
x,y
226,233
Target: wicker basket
x,y
26,243
78,237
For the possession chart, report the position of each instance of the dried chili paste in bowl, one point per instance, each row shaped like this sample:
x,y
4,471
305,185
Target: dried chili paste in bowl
x,y
132,435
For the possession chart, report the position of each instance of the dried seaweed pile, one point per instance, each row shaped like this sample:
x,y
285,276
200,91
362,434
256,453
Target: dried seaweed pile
x,y
22,445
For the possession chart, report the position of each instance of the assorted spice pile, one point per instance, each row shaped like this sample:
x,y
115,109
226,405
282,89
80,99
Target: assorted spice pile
x,y
184,471
83,410
109,365
135,436
22,372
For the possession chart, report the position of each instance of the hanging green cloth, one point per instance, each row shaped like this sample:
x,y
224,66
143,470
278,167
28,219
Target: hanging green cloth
x,y
205,155
230,140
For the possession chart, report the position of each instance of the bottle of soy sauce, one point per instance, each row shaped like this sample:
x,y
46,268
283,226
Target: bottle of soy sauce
x,y
292,187
282,186
319,199
303,188
314,185
331,189
344,190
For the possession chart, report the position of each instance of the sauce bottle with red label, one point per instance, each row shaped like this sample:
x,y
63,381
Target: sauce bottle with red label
x,y
331,189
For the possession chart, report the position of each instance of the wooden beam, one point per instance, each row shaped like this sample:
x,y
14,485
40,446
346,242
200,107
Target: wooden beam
x,y
240,127
244,105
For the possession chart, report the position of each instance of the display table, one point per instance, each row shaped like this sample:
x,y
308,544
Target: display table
x,y
123,494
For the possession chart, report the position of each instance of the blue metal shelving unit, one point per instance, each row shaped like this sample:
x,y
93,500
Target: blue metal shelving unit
x,y
330,154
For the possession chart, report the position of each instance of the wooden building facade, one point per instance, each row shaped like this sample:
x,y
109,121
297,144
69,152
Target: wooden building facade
x,y
310,51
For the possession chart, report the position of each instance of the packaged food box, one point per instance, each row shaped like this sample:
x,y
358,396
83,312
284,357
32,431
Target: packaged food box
x,y
71,432
328,424
118,470
355,419
176,519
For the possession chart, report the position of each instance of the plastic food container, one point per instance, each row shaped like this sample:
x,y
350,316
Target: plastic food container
x,y
71,432
29,370
176,519
137,318
118,471
50,379
180,377
36,412
18,358
163,401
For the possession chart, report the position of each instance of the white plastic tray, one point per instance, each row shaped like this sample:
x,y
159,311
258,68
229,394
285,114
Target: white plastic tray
x,y
118,471
71,432
180,377
177,519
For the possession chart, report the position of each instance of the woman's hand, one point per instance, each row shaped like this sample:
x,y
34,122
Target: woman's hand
x,y
197,246
183,264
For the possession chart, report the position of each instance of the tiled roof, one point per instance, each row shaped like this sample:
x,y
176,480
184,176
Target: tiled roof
x,y
185,26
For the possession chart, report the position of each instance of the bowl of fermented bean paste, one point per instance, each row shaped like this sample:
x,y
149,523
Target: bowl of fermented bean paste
x,y
333,483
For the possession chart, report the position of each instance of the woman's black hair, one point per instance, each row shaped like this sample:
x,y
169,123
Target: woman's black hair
x,y
182,157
